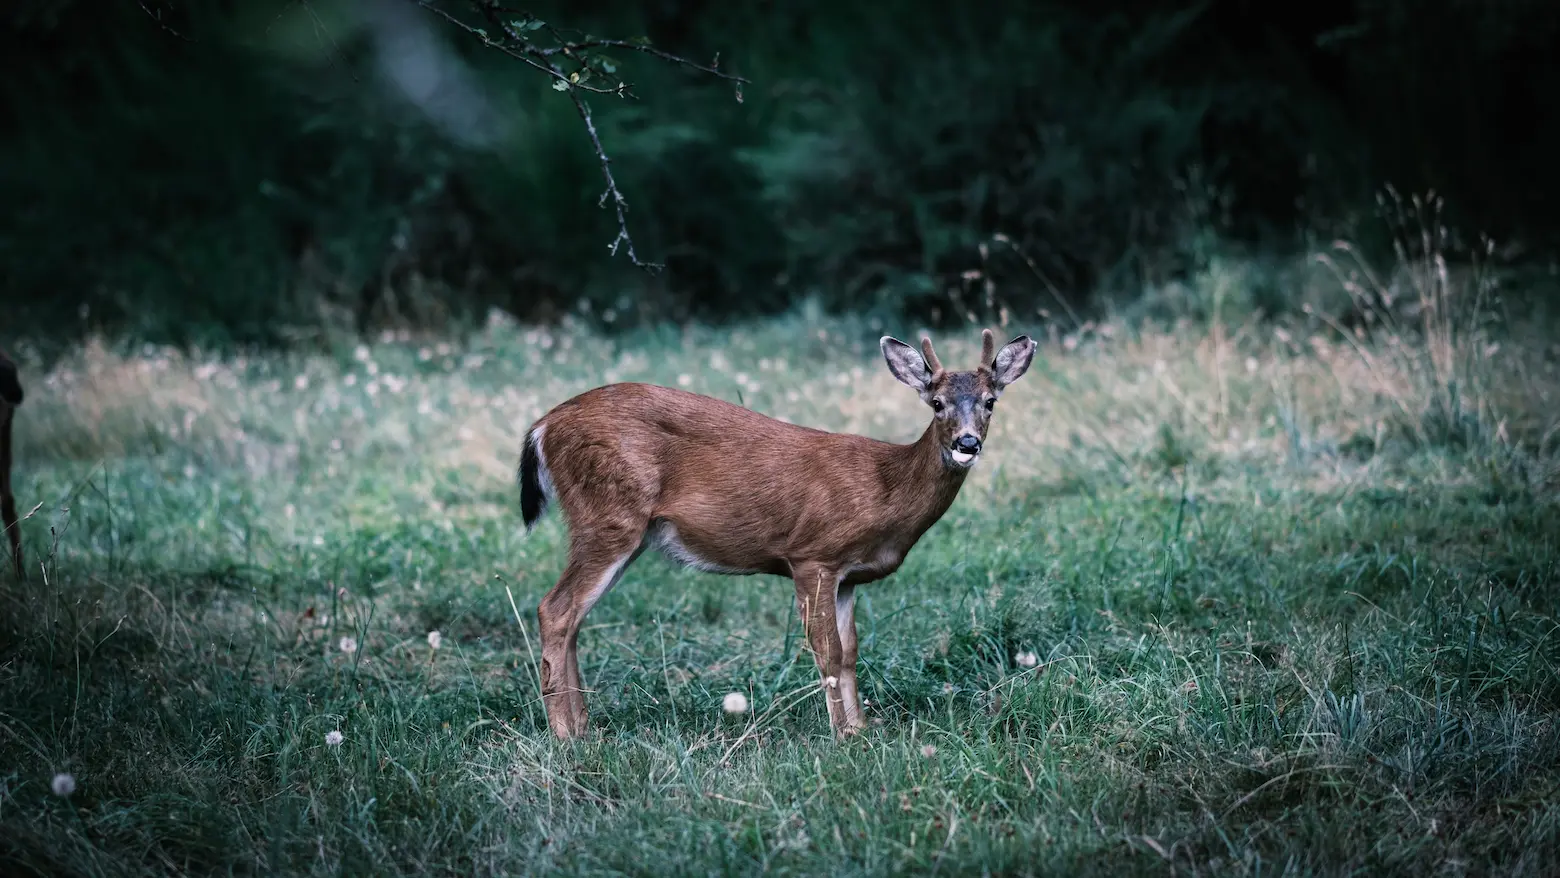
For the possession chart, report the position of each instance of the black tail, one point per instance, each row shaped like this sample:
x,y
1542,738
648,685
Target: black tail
x,y
533,502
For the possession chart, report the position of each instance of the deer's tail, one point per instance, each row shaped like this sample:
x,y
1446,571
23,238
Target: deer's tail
x,y
535,481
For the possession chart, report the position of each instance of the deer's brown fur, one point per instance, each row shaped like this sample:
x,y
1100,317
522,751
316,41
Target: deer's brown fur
x,y
10,398
722,488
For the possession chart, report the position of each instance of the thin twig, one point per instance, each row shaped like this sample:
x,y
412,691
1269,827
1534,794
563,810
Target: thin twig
x,y
490,42
619,203
568,50
157,16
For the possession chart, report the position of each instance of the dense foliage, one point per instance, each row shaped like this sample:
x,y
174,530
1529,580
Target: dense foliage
x,y
256,171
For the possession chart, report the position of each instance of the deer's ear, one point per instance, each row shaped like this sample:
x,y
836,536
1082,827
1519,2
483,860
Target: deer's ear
x,y
906,364
1013,360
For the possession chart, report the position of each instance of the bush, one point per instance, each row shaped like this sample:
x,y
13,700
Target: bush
x,y
270,182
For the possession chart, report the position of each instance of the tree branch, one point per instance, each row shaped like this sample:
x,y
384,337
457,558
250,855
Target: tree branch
x,y
512,38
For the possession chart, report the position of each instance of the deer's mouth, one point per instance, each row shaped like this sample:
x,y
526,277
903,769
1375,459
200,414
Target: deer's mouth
x,y
961,459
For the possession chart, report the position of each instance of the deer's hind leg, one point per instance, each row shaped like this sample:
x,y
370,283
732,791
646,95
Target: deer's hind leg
x,y
597,558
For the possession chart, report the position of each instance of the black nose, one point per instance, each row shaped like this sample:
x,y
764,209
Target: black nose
x,y
967,444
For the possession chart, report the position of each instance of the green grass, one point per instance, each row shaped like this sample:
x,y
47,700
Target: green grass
x,y
1271,639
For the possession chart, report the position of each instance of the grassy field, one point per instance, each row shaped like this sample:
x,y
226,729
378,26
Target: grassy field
x,y
1291,600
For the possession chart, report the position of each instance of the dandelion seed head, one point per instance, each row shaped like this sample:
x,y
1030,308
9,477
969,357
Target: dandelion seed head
x,y
929,750
734,702
435,639
1026,659
334,737
348,645
63,784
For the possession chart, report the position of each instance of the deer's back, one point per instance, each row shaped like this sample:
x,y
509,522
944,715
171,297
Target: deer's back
x,y
711,469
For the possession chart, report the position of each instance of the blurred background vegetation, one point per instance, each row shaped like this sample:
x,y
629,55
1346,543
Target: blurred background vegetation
x,y
276,172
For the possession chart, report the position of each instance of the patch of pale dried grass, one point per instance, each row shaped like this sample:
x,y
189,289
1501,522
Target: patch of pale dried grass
x,y
1244,392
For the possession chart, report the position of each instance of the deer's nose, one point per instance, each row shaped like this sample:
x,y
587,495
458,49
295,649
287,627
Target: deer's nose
x,y
967,444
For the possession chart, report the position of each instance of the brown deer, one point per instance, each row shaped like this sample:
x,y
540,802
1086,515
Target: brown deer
x,y
10,398
719,487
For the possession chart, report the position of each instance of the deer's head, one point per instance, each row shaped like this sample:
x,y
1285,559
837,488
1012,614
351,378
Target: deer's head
x,y
962,402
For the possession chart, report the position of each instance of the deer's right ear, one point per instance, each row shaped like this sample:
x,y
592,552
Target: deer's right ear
x,y
906,364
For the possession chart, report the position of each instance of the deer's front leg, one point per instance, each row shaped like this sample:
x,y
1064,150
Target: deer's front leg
x,y
816,591
845,621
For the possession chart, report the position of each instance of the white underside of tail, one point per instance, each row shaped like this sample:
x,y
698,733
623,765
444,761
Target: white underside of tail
x,y
543,474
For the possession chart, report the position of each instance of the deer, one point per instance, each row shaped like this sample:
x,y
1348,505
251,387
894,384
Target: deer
x,y
10,398
718,487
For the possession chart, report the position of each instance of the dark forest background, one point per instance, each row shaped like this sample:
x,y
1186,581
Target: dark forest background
x,y
264,172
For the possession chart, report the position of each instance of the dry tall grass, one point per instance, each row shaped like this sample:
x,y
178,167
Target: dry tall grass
x,y
1109,397
1423,368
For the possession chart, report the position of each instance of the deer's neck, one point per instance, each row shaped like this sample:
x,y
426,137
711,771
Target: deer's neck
x,y
928,486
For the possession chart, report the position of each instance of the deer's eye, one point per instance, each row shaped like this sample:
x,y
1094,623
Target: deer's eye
x,y
991,403
937,405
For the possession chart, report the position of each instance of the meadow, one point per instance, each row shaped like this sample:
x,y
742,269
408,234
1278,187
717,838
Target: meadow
x,y
1224,597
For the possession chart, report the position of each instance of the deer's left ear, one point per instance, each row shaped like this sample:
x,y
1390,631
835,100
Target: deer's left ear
x,y
1013,361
